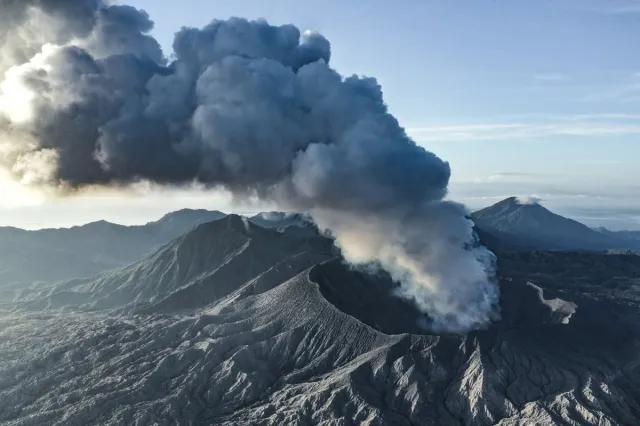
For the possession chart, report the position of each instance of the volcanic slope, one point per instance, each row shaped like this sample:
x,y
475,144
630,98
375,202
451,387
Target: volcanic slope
x,y
209,262
327,345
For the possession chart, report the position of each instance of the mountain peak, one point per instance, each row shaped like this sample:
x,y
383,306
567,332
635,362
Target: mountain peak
x,y
509,206
529,200
535,226
518,201
236,222
191,214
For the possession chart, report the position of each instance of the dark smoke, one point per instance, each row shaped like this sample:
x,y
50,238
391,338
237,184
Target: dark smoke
x,y
246,106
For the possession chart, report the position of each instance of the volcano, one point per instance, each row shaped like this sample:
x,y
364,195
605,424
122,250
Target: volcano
x,y
234,323
530,225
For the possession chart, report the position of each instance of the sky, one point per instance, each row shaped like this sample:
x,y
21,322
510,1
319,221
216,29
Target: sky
x,y
522,98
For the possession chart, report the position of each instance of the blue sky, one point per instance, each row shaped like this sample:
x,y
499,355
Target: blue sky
x,y
521,97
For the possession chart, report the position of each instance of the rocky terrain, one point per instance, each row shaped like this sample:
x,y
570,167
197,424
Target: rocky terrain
x,y
236,324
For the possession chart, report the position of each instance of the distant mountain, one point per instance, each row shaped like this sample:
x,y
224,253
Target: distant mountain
x,y
628,235
81,251
198,268
531,226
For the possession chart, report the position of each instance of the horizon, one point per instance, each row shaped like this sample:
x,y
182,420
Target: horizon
x,y
513,110
253,212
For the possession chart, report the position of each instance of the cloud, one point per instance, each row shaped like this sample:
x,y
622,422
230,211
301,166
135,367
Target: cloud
x,y
532,127
516,177
15,195
549,77
569,187
506,175
528,199
627,90
604,163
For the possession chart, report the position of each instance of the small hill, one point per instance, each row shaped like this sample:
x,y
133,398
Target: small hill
x,y
532,226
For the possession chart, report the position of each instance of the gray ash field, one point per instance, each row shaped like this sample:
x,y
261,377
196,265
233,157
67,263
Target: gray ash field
x,y
235,324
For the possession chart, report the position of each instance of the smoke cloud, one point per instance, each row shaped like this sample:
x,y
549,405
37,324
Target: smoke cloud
x,y
529,199
87,98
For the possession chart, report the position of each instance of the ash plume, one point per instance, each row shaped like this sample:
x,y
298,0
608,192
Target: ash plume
x,y
87,98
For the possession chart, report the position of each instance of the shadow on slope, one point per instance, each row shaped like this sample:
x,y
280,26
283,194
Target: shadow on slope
x,y
367,297
605,288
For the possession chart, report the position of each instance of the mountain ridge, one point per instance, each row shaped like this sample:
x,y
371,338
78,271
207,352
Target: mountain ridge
x,y
28,256
189,271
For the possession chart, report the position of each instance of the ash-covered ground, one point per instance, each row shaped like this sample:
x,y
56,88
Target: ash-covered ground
x,y
235,324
